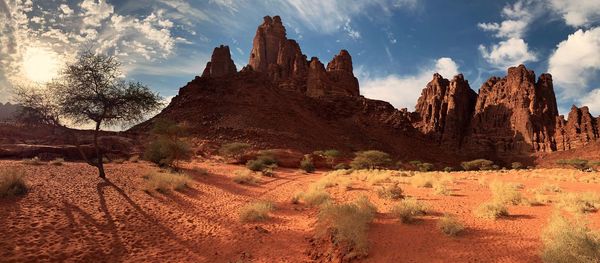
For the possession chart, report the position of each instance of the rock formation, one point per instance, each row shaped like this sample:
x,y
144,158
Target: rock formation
x,y
220,63
578,130
445,109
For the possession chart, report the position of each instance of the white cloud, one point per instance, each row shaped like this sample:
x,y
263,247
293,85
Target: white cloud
x,y
403,91
354,34
592,100
575,62
66,9
95,12
508,53
577,13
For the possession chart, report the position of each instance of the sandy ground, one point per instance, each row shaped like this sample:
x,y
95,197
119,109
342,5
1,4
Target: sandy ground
x,y
71,215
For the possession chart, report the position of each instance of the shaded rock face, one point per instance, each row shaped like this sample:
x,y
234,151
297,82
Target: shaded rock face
x,y
444,110
220,64
580,129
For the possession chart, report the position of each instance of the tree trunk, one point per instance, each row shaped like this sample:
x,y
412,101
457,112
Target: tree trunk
x,y
99,158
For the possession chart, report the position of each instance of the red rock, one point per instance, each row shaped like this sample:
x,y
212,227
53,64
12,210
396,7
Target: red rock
x,y
268,39
220,64
579,130
339,71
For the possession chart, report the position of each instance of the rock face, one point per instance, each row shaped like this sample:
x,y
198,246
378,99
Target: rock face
x,y
580,129
444,110
220,64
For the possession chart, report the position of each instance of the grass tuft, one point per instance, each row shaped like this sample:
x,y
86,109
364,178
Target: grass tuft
x,y
12,182
164,182
57,162
450,225
491,210
245,177
254,212
408,209
568,241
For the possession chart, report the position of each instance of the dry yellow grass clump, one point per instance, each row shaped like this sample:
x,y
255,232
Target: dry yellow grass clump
x,y
164,181
392,191
57,162
12,182
491,210
245,177
505,193
579,202
408,209
450,225
567,241
258,211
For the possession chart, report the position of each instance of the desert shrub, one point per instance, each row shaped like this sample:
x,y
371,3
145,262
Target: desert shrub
x,y
479,164
258,211
491,210
57,162
348,226
315,197
370,160
448,169
134,159
450,225
440,188
341,166
505,193
330,155
307,164
255,165
12,182
376,177
32,161
234,150
167,152
392,191
579,202
580,164
425,167
516,165
422,180
407,209
245,177
566,241
165,181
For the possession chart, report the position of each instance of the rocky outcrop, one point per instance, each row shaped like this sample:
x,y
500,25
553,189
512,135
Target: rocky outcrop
x,y
220,64
515,114
339,72
580,129
444,110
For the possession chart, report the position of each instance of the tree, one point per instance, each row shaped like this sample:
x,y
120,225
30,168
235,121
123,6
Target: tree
x,y
89,91
370,160
167,149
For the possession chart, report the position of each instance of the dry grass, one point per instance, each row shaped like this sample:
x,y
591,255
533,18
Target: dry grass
x,y
424,180
134,159
57,162
315,197
254,212
408,209
450,225
568,241
579,202
505,193
32,161
348,226
12,183
491,210
245,177
440,188
392,191
164,181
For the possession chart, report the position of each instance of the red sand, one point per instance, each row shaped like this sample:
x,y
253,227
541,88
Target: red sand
x,y
71,215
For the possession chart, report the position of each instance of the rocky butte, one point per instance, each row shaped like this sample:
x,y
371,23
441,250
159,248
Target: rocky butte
x,y
281,99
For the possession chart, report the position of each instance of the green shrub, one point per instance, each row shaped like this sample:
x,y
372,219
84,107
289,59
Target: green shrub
x,y
258,211
307,164
166,148
580,164
393,192
517,165
567,241
491,210
479,164
347,225
450,225
164,181
370,160
255,165
234,150
407,209
12,182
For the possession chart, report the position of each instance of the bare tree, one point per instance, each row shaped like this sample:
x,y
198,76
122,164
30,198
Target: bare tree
x,y
90,90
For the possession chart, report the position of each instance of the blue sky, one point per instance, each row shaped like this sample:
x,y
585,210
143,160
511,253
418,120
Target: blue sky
x,y
396,44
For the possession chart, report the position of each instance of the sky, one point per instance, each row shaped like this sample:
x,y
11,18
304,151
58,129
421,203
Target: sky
x,y
396,45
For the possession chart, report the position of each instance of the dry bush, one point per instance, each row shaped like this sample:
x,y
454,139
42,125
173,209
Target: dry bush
x,y
32,161
407,209
440,188
307,164
134,159
491,210
450,225
505,193
315,197
479,164
348,225
579,202
568,241
12,182
234,150
392,191
422,180
245,177
258,211
57,162
164,181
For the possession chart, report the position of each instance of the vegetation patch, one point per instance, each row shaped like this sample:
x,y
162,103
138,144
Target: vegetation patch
x,y
32,161
234,150
450,225
393,192
423,180
580,164
245,177
307,164
491,210
569,241
579,203
57,162
166,148
505,193
164,181
479,164
408,209
12,182
254,212
370,160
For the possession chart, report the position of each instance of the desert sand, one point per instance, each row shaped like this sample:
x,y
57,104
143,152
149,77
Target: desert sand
x,y
69,214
